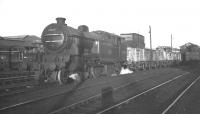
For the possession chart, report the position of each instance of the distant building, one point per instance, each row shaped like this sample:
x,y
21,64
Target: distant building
x,y
134,40
15,50
19,41
190,51
189,47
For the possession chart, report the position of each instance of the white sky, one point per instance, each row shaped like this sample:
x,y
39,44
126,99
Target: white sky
x,y
179,17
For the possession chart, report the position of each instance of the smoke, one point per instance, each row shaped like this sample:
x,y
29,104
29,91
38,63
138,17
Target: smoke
x,y
75,77
125,71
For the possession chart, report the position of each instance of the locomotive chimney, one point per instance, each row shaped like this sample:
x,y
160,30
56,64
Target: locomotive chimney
x,y
60,20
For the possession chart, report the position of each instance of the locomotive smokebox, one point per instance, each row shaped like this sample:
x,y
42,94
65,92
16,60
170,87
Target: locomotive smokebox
x,y
60,20
83,28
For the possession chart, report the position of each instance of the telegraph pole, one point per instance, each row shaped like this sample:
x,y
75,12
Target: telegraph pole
x,y
150,43
138,40
171,41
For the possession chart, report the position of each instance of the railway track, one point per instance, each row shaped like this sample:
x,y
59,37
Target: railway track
x,y
15,79
16,84
95,104
15,90
44,97
180,95
74,87
134,105
87,104
26,89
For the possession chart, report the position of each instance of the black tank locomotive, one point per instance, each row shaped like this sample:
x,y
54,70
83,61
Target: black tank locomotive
x,y
77,51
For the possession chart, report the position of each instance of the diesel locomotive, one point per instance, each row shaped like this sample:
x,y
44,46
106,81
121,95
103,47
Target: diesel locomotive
x,y
70,51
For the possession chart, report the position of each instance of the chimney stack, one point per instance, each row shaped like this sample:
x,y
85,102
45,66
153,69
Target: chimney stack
x,y
60,20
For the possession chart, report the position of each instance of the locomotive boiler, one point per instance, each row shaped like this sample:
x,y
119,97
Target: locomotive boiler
x,y
71,51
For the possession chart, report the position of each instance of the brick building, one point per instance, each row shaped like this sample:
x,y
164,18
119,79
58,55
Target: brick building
x,y
134,40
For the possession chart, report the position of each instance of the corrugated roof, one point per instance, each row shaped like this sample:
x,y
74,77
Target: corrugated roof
x,y
19,41
15,37
23,38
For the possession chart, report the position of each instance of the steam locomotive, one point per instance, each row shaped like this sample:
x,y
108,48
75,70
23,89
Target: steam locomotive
x,y
71,51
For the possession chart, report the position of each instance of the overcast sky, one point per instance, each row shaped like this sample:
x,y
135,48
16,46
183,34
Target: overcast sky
x,y
178,17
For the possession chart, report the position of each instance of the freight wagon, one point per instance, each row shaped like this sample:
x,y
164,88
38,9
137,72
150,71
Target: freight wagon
x,y
140,59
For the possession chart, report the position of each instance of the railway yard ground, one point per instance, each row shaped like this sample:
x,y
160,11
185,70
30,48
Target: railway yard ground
x,y
165,90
